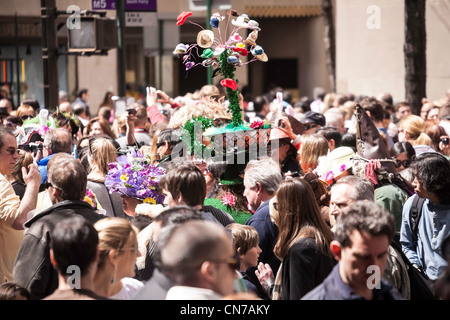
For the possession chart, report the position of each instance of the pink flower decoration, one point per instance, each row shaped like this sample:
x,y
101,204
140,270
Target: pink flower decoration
x,y
43,130
330,176
343,167
236,37
257,124
228,200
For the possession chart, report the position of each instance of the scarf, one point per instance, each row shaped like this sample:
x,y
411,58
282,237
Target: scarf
x,y
276,294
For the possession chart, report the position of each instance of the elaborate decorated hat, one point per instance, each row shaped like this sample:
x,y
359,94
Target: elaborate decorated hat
x,y
225,54
227,50
332,165
372,160
34,129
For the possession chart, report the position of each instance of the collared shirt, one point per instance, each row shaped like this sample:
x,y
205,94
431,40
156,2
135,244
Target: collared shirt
x,y
191,293
334,288
433,228
10,238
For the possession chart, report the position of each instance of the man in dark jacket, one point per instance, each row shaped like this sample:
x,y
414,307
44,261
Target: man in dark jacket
x,y
261,180
33,269
362,238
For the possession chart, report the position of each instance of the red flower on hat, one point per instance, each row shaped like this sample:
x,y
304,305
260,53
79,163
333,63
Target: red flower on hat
x,y
228,199
257,124
229,83
241,51
181,19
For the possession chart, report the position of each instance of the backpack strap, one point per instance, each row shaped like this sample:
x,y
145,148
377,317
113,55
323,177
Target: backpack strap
x,y
414,216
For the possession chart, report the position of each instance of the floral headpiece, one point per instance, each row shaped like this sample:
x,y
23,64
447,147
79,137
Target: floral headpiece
x,y
229,200
332,165
34,129
134,176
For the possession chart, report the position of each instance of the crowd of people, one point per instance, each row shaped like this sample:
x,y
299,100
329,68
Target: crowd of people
x,y
116,206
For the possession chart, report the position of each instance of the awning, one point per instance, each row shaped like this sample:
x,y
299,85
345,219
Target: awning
x,y
283,11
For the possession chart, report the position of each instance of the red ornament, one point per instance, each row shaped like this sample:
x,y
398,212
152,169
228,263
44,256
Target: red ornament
x,y
241,51
181,19
229,83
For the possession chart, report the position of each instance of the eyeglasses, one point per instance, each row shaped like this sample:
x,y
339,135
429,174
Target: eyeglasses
x,y
233,263
49,184
160,144
12,151
404,163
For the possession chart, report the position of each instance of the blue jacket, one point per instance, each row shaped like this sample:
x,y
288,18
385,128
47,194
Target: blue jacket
x,y
333,288
433,228
42,166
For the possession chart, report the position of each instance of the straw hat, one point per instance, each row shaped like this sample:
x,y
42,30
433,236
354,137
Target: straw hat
x,y
251,38
205,38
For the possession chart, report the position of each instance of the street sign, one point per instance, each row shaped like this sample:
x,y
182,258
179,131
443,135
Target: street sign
x,y
130,5
140,19
103,4
140,5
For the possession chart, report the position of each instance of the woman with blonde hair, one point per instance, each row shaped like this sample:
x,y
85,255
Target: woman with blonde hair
x,y
312,147
118,251
328,101
304,245
412,129
101,151
25,112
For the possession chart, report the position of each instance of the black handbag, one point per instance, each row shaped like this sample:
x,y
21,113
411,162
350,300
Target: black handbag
x,y
421,286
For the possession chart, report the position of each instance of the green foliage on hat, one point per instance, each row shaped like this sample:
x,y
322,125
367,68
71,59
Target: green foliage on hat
x,y
228,71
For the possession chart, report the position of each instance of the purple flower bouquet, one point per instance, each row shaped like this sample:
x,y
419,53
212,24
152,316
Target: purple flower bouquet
x,y
134,176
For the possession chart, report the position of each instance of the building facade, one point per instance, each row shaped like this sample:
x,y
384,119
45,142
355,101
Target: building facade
x,y
369,57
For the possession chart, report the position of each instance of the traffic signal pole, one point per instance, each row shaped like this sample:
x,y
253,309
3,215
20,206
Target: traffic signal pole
x,y
49,54
120,16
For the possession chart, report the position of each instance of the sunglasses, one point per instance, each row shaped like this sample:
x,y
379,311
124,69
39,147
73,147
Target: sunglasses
x,y
310,126
445,141
404,163
26,117
12,151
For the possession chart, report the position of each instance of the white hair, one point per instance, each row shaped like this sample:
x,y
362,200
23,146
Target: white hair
x,y
266,172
